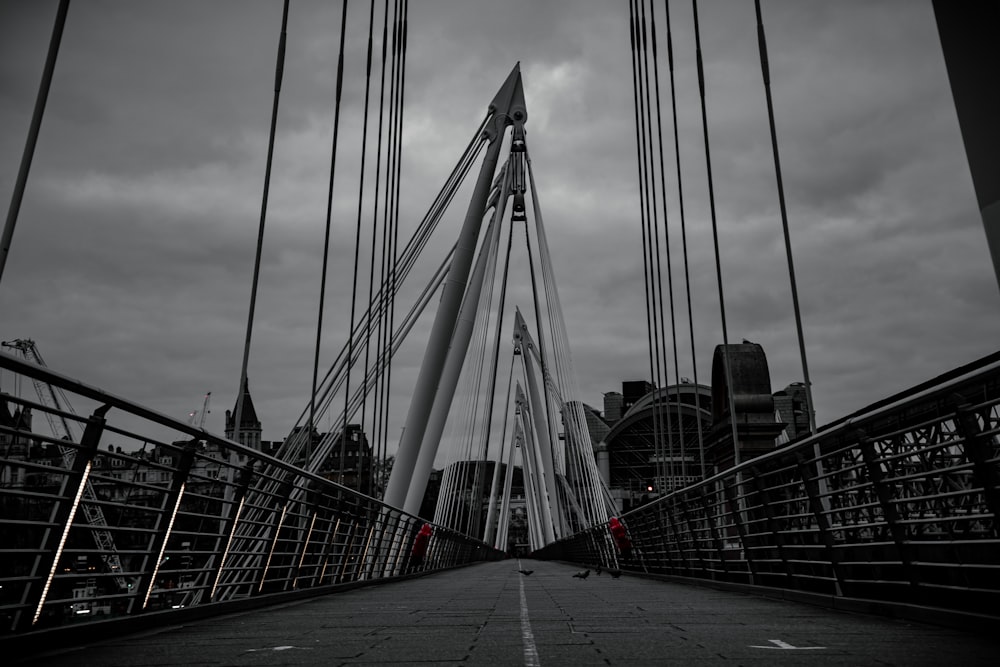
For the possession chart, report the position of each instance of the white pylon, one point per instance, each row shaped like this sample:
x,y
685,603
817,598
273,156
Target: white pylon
x,y
507,109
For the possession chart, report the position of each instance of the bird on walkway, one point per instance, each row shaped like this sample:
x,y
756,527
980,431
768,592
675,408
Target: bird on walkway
x,y
526,573
615,573
597,571
582,575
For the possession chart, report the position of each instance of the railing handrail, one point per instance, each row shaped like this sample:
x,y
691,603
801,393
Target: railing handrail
x,y
179,533
895,508
847,424
47,375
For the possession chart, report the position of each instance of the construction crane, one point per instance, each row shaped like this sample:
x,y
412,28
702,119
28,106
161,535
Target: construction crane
x,y
54,399
204,412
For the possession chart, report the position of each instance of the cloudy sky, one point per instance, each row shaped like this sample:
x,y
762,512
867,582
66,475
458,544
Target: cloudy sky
x,y
132,259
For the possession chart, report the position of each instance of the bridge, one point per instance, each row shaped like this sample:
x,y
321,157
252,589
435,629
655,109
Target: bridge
x,y
509,521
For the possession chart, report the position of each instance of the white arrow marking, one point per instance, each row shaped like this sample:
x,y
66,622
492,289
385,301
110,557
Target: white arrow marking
x,y
778,644
276,648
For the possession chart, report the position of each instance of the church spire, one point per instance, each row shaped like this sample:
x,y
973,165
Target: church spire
x,y
250,426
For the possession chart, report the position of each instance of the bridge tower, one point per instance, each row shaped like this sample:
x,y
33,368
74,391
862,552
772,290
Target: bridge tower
x,y
406,484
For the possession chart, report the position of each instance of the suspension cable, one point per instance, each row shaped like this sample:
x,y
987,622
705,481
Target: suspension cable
x,y
382,308
474,363
489,534
687,275
494,363
372,376
389,251
33,130
332,377
765,71
414,247
655,262
715,238
371,271
650,226
542,369
357,249
478,357
354,279
404,28
566,382
326,241
279,70
670,270
643,214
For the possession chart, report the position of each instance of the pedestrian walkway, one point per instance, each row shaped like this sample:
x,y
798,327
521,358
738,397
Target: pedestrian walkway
x,y
491,615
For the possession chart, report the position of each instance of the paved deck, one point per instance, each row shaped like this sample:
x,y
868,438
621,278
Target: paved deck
x,y
490,614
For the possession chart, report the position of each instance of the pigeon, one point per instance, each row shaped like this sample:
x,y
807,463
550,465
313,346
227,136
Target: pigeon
x,y
526,573
598,570
615,573
582,575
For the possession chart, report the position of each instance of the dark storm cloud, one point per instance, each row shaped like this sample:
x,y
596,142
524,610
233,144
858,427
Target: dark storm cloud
x,y
132,259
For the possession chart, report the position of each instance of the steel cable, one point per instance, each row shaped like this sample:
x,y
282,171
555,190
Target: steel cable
x,y
684,246
727,369
279,71
670,269
766,74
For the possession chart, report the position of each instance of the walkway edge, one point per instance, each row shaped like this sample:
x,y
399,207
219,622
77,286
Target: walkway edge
x,y
957,620
28,645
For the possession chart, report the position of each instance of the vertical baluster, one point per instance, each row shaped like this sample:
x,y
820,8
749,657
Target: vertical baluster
x,y
777,536
230,528
892,518
675,535
345,553
284,494
713,530
686,516
54,540
822,522
736,513
978,451
165,524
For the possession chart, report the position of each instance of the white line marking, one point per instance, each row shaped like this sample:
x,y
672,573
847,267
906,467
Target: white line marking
x,y
530,650
276,648
778,644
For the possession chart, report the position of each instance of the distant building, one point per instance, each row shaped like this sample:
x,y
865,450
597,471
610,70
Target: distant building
x,y
463,497
790,407
612,406
14,445
632,392
250,428
350,460
656,437
653,448
429,502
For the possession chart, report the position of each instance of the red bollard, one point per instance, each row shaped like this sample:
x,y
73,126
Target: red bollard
x,y
420,545
621,538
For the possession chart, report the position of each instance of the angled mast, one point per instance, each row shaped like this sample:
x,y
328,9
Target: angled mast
x,y
506,109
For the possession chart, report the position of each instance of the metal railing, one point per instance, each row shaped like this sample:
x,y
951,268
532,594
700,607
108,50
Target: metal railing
x,y
896,504
189,518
